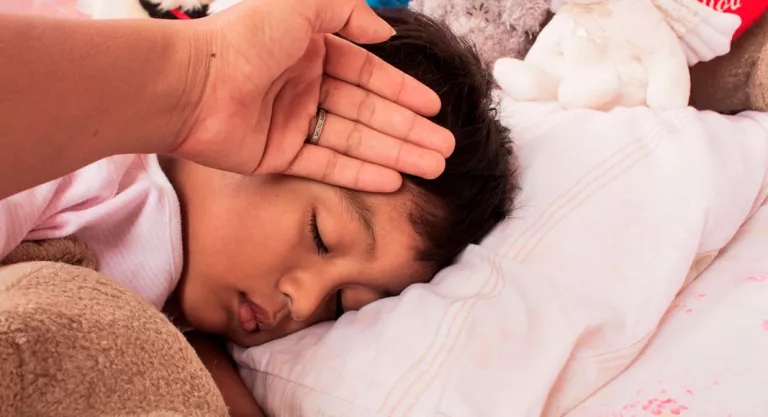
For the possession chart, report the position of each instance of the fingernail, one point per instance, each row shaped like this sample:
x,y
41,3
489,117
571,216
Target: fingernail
x,y
394,32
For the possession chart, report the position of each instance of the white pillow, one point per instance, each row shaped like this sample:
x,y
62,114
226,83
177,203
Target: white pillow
x,y
616,208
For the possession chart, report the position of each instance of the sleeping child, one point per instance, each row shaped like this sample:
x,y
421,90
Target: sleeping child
x,y
255,258
315,251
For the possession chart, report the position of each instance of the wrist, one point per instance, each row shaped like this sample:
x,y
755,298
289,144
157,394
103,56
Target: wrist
x,y
182,86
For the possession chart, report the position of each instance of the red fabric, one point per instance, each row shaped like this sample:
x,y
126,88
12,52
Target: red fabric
x,y
748,10
180,15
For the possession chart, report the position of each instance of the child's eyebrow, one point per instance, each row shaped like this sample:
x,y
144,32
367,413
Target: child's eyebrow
x,y
364,214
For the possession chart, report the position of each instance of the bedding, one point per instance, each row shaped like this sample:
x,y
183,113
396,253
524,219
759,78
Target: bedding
x,y
707,357
631,282
627,284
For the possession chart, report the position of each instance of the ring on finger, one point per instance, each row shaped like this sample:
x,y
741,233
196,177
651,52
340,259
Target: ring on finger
x,y
318,127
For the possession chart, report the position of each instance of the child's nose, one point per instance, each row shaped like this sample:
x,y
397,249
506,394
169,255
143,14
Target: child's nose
x,y
304,295
304,305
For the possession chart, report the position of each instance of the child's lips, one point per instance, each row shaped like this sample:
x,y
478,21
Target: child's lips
x,y
248,314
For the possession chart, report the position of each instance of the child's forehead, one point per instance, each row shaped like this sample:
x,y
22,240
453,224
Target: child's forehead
x,y
395,206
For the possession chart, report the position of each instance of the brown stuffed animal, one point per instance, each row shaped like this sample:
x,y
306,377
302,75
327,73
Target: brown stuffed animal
x,y
738,80
75,343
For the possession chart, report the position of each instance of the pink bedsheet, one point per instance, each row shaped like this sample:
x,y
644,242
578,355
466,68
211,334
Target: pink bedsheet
x,y
46,7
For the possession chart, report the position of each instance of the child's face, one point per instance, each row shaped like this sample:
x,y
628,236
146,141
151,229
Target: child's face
x,y
275,251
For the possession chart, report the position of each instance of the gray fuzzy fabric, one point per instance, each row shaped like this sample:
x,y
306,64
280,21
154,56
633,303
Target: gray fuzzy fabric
x,y
499,28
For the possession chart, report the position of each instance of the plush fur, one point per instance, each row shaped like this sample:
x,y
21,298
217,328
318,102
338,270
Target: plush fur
x,y
132,9
506,28
66,250
158,10
185,5
736,81
75,343
498,28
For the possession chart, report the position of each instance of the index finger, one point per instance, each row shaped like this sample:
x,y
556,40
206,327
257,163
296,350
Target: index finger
x,y
348,62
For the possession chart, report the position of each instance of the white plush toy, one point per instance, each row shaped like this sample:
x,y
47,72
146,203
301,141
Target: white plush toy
x,y
601,54
135,9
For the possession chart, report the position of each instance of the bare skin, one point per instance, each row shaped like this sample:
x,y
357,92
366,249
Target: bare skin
x,y
237,397
302,251
236,92
239,99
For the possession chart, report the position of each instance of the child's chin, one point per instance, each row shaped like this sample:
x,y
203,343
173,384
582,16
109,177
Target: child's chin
x,y
248,340
255,338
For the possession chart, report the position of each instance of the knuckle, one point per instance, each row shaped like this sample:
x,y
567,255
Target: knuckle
x,y
330,168
329,90
398,155
354,141
367,108
359,175
400,88
411,125
367,70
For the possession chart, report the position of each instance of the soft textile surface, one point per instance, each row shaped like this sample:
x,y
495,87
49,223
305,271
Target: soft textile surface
x,y
708,357
619,212
123,207
499,28
74,343
56,8
616,210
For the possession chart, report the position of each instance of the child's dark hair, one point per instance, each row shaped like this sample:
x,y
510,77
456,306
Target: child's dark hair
x,y
476,190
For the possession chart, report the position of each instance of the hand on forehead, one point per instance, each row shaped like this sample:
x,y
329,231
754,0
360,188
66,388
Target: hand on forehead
x,y
369,129
274,64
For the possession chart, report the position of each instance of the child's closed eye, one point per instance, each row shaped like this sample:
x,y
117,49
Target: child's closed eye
x,y
314,231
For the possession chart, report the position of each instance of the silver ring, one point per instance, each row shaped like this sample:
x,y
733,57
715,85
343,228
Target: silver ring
x,y
318,127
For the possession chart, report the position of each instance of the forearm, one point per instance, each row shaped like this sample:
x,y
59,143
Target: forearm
x,y
237,397
75,91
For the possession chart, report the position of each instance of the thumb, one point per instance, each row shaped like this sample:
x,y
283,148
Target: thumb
x,y
353,19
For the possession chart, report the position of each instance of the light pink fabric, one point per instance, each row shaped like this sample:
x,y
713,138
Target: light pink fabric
x,y
53,8
123,207
707,358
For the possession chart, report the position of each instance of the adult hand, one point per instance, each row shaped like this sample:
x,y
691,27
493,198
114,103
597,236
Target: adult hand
x,y
272,63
